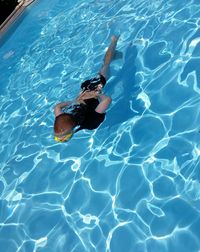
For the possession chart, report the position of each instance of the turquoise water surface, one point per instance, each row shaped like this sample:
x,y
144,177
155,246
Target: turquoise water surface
x,y
133,184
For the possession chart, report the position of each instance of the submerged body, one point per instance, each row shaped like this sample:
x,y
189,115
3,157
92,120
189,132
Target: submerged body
x,y
88,109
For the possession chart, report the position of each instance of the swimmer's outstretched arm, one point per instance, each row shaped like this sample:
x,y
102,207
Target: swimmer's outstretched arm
x,y
104,102
58,108
80,99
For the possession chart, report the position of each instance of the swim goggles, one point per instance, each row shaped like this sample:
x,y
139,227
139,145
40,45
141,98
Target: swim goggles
x,y
63,139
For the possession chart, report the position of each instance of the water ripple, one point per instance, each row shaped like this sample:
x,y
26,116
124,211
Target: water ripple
x,y
133,183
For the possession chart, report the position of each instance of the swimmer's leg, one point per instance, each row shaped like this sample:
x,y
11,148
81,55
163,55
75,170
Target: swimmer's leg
x,y
109,56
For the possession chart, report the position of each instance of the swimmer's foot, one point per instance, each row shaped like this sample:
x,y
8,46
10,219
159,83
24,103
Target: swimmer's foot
x,y
115,39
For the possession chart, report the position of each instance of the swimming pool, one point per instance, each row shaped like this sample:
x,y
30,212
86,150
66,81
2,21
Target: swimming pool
x,y
133,183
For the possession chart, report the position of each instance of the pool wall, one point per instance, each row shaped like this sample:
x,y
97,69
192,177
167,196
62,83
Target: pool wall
x,y
11,19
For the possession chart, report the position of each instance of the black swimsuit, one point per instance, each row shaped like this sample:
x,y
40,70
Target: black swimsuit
x,y
84,114
92,119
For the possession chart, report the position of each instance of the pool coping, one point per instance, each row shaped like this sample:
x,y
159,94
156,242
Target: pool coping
x,y
19,9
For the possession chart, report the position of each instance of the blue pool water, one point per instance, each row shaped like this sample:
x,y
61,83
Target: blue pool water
x,y
133,184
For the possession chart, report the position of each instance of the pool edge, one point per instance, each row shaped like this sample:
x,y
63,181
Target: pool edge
x,y
10,20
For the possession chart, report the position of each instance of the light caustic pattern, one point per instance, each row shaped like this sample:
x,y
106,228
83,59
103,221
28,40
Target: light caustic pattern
x,y
133,183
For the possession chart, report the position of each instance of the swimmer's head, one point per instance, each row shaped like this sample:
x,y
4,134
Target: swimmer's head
x,y
63,127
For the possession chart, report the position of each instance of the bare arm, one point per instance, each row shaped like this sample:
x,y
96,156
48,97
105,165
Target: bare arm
x,y
59,106
104,103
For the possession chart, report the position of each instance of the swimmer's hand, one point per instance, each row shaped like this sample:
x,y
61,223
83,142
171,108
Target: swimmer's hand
x,y
85,95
